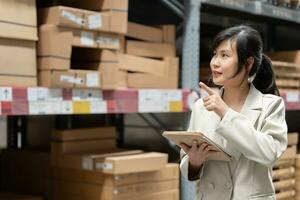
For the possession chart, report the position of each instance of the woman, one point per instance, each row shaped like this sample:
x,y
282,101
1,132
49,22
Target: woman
x,y
247,118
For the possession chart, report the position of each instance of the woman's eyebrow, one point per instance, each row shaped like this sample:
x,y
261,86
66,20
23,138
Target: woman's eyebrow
x,y
224,51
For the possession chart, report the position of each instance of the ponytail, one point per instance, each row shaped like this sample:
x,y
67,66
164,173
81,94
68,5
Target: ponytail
x,y
264,79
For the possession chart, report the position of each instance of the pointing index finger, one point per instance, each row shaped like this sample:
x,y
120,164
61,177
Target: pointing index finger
x,y
206,88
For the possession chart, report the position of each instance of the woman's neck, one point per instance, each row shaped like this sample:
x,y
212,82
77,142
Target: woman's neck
x,y
235,97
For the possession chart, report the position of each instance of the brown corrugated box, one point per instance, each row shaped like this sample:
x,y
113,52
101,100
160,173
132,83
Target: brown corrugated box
x,y
146,33
82,146
169,81
100,192
112,77
20,26
52,78
97,21
170,172
118,21
58,41
87,161
84,134
132,163
148,49
287,56
140,64
18,57
18,81
91,78
62,16
15,196
139,80
53,63
169,34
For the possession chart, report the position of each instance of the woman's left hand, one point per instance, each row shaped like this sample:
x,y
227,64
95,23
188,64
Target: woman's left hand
x,y
213,102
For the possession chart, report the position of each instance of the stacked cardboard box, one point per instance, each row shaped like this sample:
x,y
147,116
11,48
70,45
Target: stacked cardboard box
x,y
295,4
13,196
64,29
286,65
297,184
284,170
78,169
151,57
17,43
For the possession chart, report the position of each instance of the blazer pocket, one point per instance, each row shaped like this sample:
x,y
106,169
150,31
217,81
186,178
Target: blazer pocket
x,y
265,196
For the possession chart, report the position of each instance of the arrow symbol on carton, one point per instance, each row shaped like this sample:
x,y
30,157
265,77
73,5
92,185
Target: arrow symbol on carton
x,y
6,92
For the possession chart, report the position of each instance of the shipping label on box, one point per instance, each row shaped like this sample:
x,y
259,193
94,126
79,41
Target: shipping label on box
x,y
86,94
152,101
44,94
98,106
66,107
44,107
6,94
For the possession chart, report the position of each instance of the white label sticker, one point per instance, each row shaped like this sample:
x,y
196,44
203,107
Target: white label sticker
x,y
104,165
108,41
95,21
172,95
79,81
292,96
54,94
98,106
79,94
87,38
94,94
44,107
92,80
70,16
151,101
67,107
87,163
6,94
67,79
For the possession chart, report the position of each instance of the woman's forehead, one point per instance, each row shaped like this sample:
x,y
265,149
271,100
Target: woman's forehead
x,y
227,45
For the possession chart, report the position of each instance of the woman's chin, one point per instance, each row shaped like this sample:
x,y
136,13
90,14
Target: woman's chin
x,y
217,82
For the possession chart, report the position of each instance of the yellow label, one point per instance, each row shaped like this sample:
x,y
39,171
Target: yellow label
x,y
175,106
81,107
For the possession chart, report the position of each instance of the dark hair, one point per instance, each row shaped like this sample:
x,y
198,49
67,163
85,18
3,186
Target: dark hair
x,y
249,44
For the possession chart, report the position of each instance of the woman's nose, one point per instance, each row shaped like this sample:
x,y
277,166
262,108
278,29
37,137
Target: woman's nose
x,y
215,63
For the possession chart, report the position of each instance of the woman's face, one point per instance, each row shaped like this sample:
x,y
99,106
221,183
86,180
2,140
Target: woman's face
x,y
224,65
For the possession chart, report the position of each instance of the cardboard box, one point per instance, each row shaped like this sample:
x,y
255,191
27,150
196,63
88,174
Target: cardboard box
x,y
84,134
99,21
287,56
112,77
62,16
169,34
82,146
133,163
58,41
139,64
170,172
53,63
122,192
293,138
139,80
100,5
91,78
118,21
146,33
20,26
87,161
15,196
52,78
18,57
18,81
147,49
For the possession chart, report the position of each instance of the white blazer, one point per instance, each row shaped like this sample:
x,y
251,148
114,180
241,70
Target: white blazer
x,y
256,137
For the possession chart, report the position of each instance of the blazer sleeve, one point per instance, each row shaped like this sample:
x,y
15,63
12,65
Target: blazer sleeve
x,y
264,146
184,163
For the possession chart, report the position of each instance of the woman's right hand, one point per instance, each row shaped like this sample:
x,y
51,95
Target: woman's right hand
x,y
197,154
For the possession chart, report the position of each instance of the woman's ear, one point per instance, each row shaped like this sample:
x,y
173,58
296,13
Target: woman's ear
x,y
249,64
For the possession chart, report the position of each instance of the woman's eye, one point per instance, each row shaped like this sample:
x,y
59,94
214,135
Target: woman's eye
x,y
224,55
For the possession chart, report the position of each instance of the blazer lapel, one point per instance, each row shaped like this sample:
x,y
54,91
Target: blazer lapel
x,y
253,105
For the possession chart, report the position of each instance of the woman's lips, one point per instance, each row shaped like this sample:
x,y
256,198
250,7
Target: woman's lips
x,y
216,73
